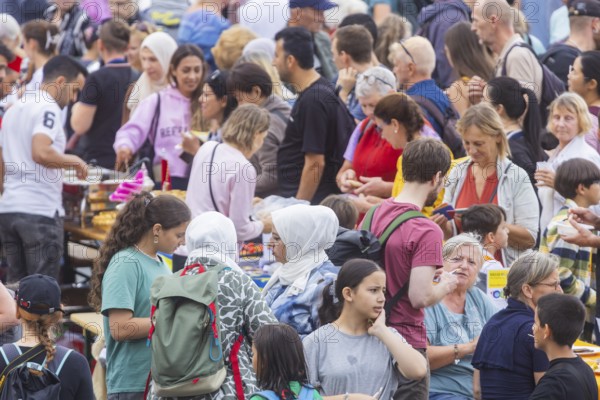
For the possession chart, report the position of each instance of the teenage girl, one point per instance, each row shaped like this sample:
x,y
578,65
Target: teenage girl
x,y
121,281
278,360
354,355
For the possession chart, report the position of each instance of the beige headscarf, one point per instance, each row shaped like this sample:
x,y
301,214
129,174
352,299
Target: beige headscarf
x,y
162,46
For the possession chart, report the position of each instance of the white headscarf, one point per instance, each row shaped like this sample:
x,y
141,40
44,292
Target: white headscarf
x,y
263,45
212,235
306,231
162,46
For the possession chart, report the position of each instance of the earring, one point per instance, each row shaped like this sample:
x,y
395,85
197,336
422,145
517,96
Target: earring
x,y
156,239
395,131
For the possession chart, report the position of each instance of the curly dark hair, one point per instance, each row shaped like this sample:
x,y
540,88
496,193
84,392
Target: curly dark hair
x,y
135,220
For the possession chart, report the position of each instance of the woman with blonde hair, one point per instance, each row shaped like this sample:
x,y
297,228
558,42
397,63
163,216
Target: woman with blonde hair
x,y
505,356
155,54
569,121
227,185
138,32
230,45
488,176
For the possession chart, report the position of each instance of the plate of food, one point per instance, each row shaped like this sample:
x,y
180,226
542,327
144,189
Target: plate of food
x,y
586,350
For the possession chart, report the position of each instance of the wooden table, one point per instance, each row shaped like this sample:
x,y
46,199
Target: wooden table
x,y
93,327
76,232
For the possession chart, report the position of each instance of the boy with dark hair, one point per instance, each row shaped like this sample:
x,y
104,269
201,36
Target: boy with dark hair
x,y
578,181
558,322
32,145
413,251
317,133
488,221
96,117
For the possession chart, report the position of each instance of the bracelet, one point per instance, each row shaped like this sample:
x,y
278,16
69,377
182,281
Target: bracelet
x,y
456,358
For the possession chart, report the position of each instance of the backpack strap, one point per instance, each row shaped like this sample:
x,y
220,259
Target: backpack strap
x,y
235,367
433,110
519,44
267,394
60,357
366,224
20,360
306,393
399,220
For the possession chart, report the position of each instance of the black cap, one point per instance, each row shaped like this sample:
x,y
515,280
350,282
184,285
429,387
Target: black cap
x,y
584,8
38,294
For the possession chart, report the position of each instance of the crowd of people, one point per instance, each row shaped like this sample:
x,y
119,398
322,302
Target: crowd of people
x,y
435,148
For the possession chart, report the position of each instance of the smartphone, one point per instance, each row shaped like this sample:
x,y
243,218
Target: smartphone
x,y
446,210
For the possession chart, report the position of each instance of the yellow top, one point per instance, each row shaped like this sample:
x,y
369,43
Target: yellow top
x,y
399,184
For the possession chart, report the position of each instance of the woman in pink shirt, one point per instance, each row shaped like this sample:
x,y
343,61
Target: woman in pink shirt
x,y
222,179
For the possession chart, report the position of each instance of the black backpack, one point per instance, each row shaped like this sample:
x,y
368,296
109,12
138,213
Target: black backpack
x,y
447,121
387,232
26,380
350,244
559,58
552,86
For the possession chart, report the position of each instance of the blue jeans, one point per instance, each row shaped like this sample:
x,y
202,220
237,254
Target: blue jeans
x,y
447,396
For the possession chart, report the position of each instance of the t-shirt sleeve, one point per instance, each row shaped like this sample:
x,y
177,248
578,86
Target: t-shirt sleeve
x,y
47,122
549,388
91,93
352,143
119,285
311,353
427,245
77,378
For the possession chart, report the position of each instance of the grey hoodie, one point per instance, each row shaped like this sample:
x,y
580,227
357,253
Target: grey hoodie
x,y
265,159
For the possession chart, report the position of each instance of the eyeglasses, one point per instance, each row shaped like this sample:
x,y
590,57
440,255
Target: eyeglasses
x,y
370,78
554,285
408,53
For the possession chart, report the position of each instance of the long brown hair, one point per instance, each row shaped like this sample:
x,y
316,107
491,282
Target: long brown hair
x,y
46,329
469,57
46,36
135,220
183,51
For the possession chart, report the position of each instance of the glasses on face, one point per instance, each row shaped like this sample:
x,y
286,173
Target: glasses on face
x,y
408,53
370,78
554,285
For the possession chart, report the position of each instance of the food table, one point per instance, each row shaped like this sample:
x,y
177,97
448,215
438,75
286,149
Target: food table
x,y
591,357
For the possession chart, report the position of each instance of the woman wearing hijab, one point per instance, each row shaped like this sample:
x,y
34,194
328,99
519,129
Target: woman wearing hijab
x,y
211,240
301,234
155,55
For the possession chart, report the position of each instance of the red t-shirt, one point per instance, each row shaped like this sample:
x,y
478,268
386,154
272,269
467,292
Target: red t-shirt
x,y
416,243
374,156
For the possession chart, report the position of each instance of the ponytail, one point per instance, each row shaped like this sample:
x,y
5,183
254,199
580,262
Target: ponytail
x,y
532,124
331,307
138,217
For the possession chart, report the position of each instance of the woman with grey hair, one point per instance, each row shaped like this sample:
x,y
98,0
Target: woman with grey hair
x,y
505,357
368,156
454,324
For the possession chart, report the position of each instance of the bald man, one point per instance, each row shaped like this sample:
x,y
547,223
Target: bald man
x,y
414,62
493,24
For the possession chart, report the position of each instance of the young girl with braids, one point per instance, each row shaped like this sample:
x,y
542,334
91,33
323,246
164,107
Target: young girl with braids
x,y
121,281
354,355
38,308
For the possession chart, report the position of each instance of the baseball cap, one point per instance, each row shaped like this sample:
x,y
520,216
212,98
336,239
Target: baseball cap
x,y
321,5
584,8
38,294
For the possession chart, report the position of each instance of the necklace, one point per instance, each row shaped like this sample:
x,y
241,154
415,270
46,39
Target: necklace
x,y
155,258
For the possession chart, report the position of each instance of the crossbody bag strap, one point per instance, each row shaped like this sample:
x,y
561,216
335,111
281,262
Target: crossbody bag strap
x,y
212,197
154,123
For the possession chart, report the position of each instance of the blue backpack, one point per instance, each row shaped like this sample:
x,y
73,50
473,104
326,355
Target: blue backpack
x,y
306,393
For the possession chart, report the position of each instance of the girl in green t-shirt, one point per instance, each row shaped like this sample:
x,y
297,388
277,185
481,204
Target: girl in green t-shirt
x,y
121,280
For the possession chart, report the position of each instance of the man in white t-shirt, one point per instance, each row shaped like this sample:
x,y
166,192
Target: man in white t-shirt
x,y
32,158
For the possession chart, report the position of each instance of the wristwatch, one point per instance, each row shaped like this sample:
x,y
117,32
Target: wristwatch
x,y
456,358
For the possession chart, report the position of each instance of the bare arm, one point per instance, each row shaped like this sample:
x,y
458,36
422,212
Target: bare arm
x,y
422,293
8,310
124,327
476,385
314,165
82,117
441,356
43,153
519,237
